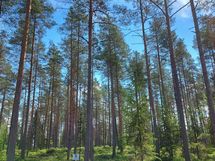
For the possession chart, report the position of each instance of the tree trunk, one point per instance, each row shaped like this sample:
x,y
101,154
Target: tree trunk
x,y
72,109
150,90
1,6
204,71
56,123
114,131
164,101
66,116
119,101
24,143
51,112
89,128
46,121
30,131
109,108
15,111
77,93
2,107
23,118
177,93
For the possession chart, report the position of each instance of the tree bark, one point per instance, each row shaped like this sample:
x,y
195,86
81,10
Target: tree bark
x,y
89,128
150,90
2,106
1,5
51,112
204,71
23,147
109,107
114,131
119,101
30,132
72,112
177,93
23,117
15,111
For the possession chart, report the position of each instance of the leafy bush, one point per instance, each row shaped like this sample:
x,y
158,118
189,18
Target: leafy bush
x,y
3,136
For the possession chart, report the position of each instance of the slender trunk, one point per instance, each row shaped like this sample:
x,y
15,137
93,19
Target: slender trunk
x,y
1,5
23,117
96,125
114,131
51,113
89,128
30,132
23,148
164,102
36,138
177,93
109,108
184,102
18,91
72,100
36,124
163,96
2,107
66,122
56,123
46,121
150,90
104,126
119,101
204,71
199,111
77,86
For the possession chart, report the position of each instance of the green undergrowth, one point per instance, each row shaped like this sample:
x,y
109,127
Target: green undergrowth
x,y
104,154
59,154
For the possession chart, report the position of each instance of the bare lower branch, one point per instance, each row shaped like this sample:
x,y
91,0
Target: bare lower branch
x,y
172,3
158,7
179,9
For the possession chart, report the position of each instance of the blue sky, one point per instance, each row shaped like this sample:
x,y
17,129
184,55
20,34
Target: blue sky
x,y
183,26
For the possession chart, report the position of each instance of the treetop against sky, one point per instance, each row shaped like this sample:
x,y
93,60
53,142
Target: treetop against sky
x,y
183,25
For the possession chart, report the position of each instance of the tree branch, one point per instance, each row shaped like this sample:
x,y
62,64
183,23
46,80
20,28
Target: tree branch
x,y
172,3
179,9
158,7
84,39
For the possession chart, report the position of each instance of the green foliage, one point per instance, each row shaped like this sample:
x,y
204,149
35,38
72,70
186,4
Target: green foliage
x,y
56,154
141,136
3,136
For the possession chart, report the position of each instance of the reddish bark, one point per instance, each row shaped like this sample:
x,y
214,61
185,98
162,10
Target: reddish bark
x,y
15,111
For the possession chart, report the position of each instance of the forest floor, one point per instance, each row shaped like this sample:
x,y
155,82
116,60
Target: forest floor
x,y
59,154
100,154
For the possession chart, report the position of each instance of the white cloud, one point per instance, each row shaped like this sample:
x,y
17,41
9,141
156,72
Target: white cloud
x,y
185,12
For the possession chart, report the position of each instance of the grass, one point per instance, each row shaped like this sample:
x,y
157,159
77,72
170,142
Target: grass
x,y
59,154
103,154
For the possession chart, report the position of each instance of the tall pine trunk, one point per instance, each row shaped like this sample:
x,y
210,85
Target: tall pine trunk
x,y
72,105
1,6
109,108
119,101
30,131
177,94
2,106
24,140
149,82
18,91
113,113
204,71
50,130
88,155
